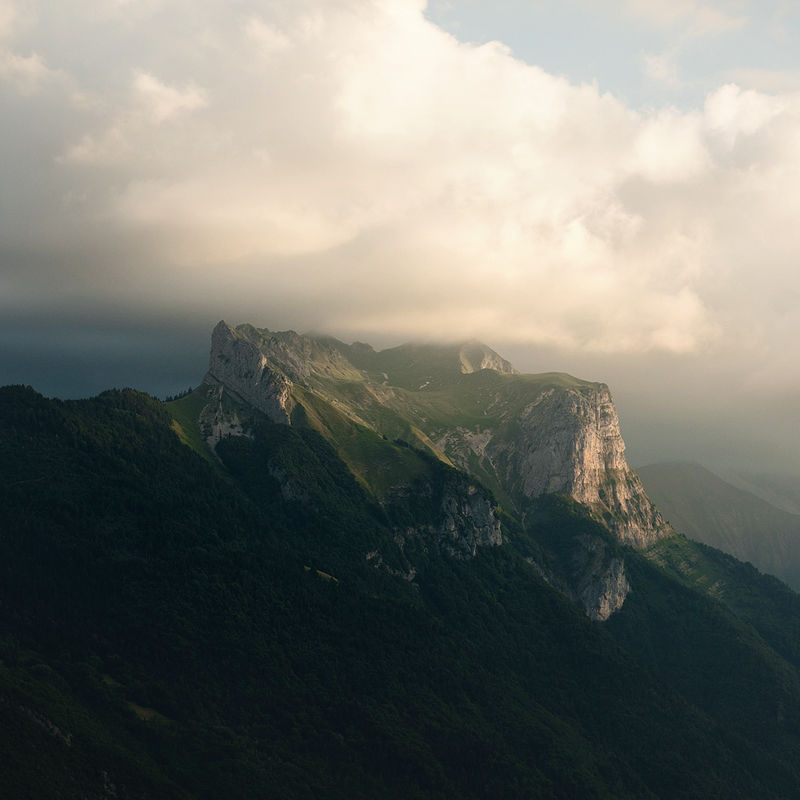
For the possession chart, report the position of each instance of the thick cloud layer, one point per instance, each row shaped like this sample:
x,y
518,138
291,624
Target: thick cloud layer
x,y
351,167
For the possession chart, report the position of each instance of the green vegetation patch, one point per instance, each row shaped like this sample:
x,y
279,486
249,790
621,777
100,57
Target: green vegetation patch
x,y
377,463
185,413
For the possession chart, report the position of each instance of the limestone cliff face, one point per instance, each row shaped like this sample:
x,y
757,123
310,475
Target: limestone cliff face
x,y
237,364
217,422
570,443
606,594
594,578
598,580
566,441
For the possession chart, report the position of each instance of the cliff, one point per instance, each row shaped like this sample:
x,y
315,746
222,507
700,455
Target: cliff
x,y
565,441
521,436
238,365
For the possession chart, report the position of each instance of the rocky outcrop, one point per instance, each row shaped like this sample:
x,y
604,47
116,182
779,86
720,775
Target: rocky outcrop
x,y
218,421
606,594
474,356
239,365
462,519
566,441
591,575
469,521
599,582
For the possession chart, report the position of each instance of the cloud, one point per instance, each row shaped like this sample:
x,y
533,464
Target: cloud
x,y
355,165
687,22
162,102
25,74
709,21
768,81
150,103
268,37
671,147
8,15
662,68
694,18
732,112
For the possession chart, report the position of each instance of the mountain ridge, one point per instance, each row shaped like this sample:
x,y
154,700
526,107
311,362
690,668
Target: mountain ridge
x,y
707,508
568,429
309,607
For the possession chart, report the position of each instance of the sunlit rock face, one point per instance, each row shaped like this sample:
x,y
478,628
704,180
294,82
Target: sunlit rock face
x,y
570,443
566,441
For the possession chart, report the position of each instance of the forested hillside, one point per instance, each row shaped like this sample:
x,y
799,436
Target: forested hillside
x,y
177,626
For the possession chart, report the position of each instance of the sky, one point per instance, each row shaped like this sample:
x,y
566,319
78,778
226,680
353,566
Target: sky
x,y
609,188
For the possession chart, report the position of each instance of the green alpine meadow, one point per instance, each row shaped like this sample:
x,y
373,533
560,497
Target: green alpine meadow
x,y
334,572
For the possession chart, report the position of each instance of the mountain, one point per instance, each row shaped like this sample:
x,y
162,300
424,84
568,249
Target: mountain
x,y
317,576
706,508
779,490
522,435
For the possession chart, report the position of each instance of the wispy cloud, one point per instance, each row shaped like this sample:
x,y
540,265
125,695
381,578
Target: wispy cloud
x,y
149,102
162,102
692,17
8,14
686,22
25,73
269,38
770,81
663,67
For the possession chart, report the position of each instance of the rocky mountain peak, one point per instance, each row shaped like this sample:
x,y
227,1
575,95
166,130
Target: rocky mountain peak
x,y
238,365
550,434
475,356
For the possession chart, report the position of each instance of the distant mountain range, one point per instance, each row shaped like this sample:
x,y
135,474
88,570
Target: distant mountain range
x,y
779,490
703,506
334,572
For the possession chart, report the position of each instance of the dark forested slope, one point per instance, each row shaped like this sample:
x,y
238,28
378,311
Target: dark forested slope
x,y
174,626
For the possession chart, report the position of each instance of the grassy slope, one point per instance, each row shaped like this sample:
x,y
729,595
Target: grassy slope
x,y
185,413
373,457
474,402
411,393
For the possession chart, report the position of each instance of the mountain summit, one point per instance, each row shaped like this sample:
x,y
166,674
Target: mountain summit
x,y
503,439
520,435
